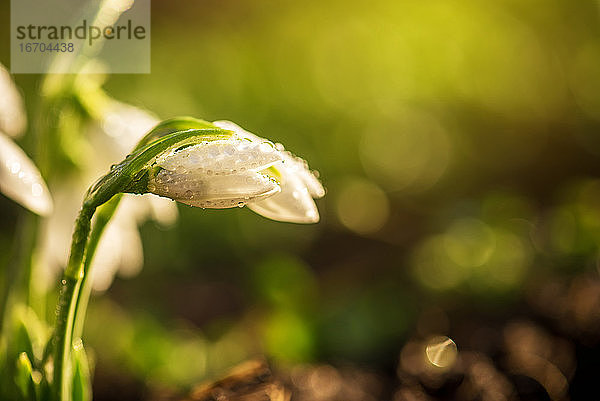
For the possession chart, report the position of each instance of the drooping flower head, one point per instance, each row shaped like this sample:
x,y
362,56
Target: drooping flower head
x,y
238,169
217,174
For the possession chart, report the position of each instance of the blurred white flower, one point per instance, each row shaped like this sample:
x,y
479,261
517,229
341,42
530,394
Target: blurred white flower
x,y
120,248
13,120
244,169
299,185
125,125
19,178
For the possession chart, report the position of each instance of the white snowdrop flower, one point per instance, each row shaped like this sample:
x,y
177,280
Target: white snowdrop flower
x,y
299,185
13,120
217,174
20,180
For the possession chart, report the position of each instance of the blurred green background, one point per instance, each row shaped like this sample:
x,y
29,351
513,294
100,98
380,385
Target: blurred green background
x,y
459,144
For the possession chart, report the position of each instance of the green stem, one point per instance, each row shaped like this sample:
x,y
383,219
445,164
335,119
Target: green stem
x,y
103,216
67,303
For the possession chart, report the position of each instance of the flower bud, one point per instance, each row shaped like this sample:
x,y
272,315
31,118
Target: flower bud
x,y
216,174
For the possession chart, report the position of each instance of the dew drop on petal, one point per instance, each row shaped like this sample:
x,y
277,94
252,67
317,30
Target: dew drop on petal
x,y
36,189
14,167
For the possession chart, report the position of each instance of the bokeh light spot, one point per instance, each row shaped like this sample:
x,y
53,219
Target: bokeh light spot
x,y
469,242
362,206
441,351
409,154
434,269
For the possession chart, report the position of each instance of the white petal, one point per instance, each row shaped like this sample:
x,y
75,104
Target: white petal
x,y
126,124
119,250
213,191
293,204
164,211
221,157
20,180
242,133
297,165
144,207
314,186
12,112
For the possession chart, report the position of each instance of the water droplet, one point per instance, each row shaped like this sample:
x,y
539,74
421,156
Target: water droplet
x,y
36,190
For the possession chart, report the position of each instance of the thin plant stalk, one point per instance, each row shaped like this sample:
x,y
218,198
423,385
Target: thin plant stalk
x,y
103,216
67,304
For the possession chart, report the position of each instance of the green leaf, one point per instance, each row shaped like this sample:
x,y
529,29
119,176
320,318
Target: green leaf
x,y
82,383
27,379
172,125
29,334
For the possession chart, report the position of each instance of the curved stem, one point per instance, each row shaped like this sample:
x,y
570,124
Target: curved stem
x,y
65,310
103,216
